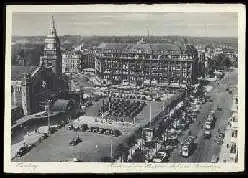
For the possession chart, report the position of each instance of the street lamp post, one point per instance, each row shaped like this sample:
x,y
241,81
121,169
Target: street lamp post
x,y
111,150
150,115
48,116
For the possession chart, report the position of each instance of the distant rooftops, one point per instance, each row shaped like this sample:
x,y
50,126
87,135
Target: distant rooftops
x,y
18,71
112,45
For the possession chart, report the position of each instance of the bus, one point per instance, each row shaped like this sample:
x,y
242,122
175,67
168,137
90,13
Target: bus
x,y
187,147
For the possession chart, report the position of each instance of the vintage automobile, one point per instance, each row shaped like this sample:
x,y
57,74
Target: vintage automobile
x,y
219,141
69,127
23,150
161,157
75,141
214,159
116,133
219,108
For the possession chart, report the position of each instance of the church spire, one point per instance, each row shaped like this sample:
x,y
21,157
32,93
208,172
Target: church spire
x,y
52,29
51,57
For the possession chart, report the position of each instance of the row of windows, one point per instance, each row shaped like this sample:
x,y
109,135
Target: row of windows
x,y
152,62
179,74
67,69
70,61
146,67
127,77
71,66
16,88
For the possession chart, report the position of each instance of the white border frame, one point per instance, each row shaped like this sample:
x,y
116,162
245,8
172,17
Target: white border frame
x,y
86,167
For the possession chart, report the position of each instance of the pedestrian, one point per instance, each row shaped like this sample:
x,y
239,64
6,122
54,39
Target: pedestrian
x,y
227,145
189,132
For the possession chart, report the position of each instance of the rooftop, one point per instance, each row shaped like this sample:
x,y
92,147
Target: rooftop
x,y
143,47
18,71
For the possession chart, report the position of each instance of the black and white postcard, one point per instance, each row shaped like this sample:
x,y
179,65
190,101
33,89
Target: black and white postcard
x,y
124,88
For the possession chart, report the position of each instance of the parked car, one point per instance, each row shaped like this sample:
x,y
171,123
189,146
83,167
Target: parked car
x,y
161,157
219,108
75,160
214,159
84,127
88,103
221,136
69,127
170,147
116,133
75,141
23,150
219,141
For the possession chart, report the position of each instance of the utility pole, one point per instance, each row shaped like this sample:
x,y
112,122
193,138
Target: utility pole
x,y
111,150
150,115
48,115
142,141
109,104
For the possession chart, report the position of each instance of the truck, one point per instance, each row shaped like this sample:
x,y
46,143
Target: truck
x,y
187,147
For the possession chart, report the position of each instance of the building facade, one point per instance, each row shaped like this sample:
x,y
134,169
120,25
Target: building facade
x,y
153,63
88,59
71,62
32,86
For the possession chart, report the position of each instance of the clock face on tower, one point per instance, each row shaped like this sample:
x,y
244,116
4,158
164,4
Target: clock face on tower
x,y
49,46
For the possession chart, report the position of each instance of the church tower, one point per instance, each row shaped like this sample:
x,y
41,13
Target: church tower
x,y
51,57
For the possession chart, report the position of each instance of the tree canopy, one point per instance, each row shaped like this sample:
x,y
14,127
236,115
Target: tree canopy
x,y
221,61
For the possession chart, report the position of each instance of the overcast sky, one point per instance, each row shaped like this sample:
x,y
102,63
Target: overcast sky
x,y
87,24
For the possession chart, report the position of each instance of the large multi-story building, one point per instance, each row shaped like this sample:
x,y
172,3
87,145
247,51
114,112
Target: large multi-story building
x,y
88,58
31,86
71,62
141,62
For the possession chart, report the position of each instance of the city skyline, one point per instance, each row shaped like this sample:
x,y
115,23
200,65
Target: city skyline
x,y
128,24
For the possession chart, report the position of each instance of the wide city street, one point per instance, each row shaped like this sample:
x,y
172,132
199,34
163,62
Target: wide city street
x,y
206,148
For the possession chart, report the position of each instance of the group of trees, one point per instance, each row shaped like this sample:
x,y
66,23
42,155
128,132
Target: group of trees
x,y
220,62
